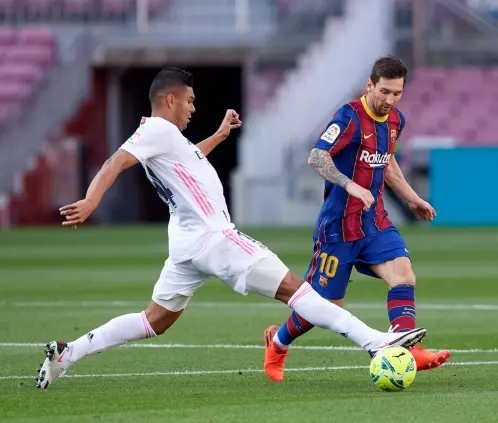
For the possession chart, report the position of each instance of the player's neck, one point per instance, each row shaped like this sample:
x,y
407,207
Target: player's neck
x,y
165,116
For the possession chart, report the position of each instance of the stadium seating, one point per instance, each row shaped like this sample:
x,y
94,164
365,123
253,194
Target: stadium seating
x,y
458,102
25,54
60,10
300,6
261,86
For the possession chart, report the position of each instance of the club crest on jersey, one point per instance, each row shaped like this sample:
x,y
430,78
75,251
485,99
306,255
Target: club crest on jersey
x,y
134,138
375,159
331,134
323,281
394,135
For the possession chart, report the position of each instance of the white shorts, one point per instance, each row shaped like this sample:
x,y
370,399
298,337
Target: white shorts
x,y
241,262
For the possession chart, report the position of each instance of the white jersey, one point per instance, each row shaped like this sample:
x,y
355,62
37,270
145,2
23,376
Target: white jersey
x,y
185,181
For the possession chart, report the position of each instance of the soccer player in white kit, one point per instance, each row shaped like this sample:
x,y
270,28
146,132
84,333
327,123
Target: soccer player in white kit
x,y
203,241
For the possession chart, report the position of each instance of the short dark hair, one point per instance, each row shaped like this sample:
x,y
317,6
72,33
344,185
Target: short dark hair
x,y
169,78
389,67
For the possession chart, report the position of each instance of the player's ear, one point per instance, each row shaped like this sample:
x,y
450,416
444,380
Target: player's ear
x,y
370,85
170,100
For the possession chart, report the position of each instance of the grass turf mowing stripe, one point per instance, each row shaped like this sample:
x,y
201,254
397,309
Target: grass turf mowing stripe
x,y
125,303
240,371
242,347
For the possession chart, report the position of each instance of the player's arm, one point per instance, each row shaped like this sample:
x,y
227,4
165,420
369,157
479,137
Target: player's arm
x,y
209,144
396,180
230,121
78,212
322,163
336,137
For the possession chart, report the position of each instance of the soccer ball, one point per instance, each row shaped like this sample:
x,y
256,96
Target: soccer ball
x,y
393,368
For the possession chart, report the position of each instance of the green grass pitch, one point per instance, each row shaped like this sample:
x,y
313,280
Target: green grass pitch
x,y
60,283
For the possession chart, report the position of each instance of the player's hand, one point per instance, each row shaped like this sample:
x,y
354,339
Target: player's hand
x,y
231,121
361,193
77,213
422,210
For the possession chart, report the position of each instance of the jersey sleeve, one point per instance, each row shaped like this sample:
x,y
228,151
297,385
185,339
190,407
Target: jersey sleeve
x,y
147,143
339,132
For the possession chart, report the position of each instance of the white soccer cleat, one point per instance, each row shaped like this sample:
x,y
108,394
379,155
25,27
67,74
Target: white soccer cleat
x,y
399,339
55,365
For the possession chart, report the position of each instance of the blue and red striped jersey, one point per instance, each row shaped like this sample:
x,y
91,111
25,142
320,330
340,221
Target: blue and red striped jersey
x,y
361,145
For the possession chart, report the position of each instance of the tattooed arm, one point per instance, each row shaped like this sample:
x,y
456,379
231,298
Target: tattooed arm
x,y
323,164
321,161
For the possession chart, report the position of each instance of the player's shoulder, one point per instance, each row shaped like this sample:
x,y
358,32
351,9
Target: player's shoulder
x,y
157,124
345,112
397,117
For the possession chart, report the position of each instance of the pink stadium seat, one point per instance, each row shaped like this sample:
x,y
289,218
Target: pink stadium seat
x,y
491,75
116,6
42,7
411,109
487,137
41,55
7,36
13,92
24,55
6,6
452,94
36,35
458,102
472,74
78,6
463,85
20,73
430,78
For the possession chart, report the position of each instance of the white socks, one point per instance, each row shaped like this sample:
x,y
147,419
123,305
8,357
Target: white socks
x,y
320,312
117,331
305,301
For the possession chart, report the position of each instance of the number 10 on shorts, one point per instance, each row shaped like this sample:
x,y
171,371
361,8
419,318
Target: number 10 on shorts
x,y
328,265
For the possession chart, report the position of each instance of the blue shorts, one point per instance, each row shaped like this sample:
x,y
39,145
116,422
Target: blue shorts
x,y
332,264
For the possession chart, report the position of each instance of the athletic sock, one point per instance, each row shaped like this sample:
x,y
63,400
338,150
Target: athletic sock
x,y
320,312
401,308
118,331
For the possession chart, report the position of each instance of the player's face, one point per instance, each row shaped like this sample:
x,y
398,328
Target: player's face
x,y
184,107
385,94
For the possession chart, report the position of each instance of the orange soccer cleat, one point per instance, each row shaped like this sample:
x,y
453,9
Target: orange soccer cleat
x,y
274,357
428,360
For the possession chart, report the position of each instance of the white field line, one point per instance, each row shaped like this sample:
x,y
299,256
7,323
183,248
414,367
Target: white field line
x,y
241,371
242,304
239,347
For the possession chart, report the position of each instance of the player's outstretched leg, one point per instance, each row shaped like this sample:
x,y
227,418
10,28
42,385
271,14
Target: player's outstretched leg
x,y
277,351
59,355
293,328
305,301
277,342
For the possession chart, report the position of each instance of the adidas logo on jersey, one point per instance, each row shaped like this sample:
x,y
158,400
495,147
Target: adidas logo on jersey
x,y
375,159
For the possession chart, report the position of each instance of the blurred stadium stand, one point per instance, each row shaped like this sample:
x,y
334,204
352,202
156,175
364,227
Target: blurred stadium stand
x,y
74,76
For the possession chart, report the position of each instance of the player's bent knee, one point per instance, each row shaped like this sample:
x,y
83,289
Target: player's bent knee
x,y
160,318
288,287
411,279
406,278
266,276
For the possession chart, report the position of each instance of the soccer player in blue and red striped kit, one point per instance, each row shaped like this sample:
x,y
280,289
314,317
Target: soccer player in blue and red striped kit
x,y
355,156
